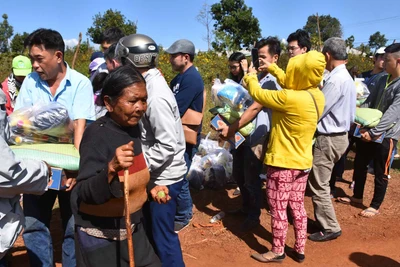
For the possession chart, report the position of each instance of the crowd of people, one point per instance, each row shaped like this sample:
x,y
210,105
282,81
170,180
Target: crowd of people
x,y
128,119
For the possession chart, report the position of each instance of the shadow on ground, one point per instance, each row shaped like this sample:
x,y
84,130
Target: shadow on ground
x,y
365,260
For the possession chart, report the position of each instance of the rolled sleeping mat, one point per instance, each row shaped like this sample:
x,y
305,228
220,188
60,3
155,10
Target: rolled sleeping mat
x,y
64,156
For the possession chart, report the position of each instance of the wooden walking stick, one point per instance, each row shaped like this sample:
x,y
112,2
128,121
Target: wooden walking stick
x,y
128,219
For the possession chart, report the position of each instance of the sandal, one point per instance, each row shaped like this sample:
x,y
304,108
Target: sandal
x,y
268,257
349,200
369,213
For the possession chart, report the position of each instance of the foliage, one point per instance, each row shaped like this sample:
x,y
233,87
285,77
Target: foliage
x,y
377,40
83,58
235,26
6,31
17,43
109,19
5,66
365,49
363,63
204,17
350,42
328,26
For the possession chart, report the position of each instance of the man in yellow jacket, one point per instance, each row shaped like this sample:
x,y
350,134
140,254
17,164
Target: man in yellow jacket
x,y
296,111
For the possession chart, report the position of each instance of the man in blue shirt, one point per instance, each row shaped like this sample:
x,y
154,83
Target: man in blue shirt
x,y
332,141
53,80
188,88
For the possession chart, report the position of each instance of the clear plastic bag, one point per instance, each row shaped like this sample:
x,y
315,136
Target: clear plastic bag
x,y
211,166
362,91
214,92
207,145
234,95
41,123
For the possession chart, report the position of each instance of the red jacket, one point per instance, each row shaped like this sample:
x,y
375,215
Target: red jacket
x,y
4,86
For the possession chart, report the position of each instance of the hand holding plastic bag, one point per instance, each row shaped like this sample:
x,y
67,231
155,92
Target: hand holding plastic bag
x,y
234,95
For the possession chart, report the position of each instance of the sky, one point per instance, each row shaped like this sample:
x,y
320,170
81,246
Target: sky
x,y
169,20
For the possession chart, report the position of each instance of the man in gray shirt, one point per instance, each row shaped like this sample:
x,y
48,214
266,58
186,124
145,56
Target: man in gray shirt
x,y
332,140
16,177
386,98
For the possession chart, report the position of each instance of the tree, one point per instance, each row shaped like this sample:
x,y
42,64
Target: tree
x,y
365,49
328,27
17,43
204,17
377,40
109,19
350,42
6,31
235,26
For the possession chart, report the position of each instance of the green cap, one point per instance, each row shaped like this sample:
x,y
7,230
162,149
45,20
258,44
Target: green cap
x,y
21,66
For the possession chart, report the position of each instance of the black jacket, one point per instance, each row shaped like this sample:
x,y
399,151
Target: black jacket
x,y
97,148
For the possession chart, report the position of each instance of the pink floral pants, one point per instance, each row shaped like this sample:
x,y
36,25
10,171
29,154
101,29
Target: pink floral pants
x,y
287,186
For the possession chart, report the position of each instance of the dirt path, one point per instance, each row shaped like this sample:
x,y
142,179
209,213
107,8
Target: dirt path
x,y
364,242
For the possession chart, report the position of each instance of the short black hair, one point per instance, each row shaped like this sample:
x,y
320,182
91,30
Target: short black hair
x,y
237,57
112,35
191,57
50,39
119,79
274,45
393,48
98,81
110,52
302,38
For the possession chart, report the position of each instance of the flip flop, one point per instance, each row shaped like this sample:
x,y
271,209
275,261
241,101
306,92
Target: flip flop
x,y
369,213
344,200
275,258
349,200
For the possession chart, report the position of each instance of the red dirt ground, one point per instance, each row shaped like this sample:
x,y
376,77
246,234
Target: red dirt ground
x,y
364,242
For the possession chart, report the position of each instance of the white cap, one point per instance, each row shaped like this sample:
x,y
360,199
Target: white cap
x,y
381,50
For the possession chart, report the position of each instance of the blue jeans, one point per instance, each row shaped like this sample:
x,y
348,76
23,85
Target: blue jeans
x,y
184,209
37,237
160,220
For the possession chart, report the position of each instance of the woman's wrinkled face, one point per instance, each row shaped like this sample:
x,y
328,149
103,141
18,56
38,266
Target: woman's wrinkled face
x,y
129,108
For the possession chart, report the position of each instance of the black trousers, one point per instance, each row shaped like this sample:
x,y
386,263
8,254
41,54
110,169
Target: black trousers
x,y
380,154
246,172
97,252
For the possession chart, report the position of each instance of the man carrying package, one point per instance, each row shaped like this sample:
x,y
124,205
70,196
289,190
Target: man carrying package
x,y
16,177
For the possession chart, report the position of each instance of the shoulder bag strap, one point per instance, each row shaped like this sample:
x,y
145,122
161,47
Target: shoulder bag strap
x,y
315,103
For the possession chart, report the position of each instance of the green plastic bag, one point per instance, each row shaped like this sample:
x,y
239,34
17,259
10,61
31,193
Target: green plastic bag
x,y
231,115
368,117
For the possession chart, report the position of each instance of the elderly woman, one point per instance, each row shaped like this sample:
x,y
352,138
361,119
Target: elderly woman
x,y
109,146
296,111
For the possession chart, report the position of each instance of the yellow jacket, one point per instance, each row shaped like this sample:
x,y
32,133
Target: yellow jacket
x,y
294,116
